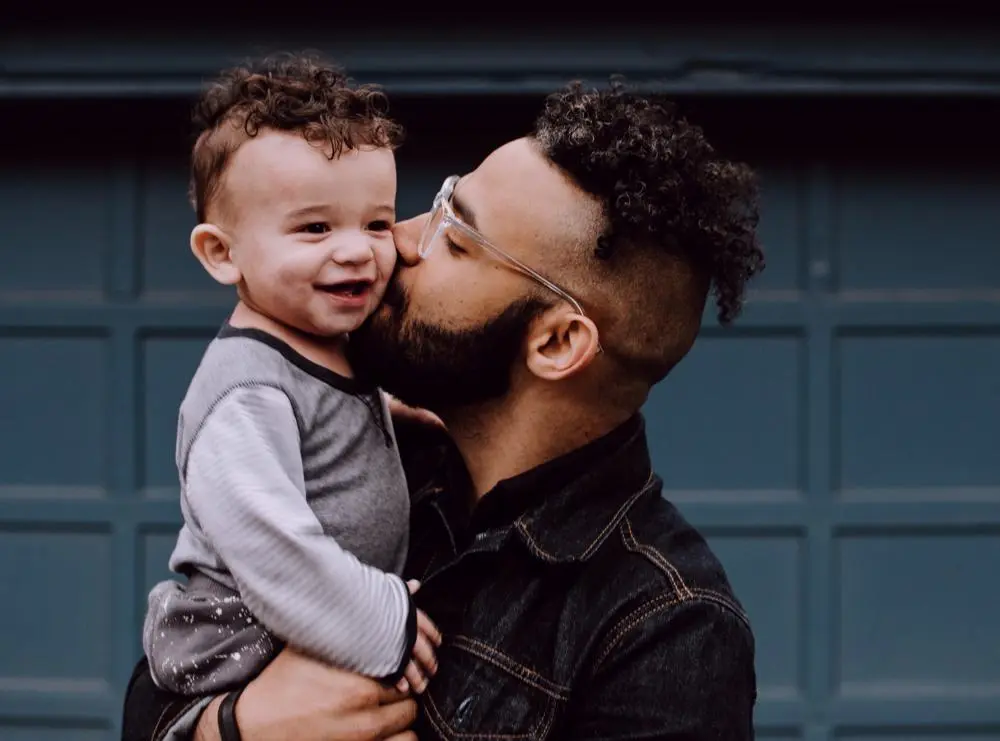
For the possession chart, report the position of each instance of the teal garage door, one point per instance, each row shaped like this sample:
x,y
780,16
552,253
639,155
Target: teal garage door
x,y
835,445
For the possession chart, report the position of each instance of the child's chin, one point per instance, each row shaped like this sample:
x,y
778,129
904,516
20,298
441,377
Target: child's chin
x,y
346,327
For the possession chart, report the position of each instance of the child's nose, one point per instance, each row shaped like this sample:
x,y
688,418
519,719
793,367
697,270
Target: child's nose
x,y
353,250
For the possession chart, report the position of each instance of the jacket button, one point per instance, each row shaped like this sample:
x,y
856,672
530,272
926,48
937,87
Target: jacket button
x,y
462,711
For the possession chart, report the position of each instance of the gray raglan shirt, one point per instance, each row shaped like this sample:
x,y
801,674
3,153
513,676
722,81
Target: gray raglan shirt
x,y
293,496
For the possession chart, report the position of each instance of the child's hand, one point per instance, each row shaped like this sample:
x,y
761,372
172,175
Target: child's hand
x,y
423,665
402,411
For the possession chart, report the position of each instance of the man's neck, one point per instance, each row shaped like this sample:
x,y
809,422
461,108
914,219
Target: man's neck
x,y
499,441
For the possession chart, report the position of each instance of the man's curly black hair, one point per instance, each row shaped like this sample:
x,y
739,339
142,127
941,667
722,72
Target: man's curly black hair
x,y
292,92
660,181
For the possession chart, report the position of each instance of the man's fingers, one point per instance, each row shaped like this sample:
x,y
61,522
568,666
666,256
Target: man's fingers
x,y
431,419
423,654
405,736
416,678
413,585
426,626
385,721
415,414
390,695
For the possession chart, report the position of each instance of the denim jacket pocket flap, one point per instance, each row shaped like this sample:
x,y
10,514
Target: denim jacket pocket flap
x,y
480,693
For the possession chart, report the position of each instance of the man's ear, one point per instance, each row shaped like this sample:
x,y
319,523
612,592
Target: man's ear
x,y
213,248
561,344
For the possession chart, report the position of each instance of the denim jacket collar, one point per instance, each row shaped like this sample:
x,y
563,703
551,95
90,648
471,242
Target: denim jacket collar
x,y
600,482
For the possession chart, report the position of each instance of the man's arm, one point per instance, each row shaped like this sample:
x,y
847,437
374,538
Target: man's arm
x,y
294,697
671,671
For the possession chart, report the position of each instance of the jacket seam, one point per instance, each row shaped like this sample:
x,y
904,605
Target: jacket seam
x,y
628,623
656,558
709,595
598,539
659,604
674,575
505,663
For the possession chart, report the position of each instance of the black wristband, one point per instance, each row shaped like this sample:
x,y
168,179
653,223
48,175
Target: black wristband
x,y
228,730
411,639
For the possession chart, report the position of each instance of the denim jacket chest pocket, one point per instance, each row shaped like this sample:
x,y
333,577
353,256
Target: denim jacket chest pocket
x,y
480,693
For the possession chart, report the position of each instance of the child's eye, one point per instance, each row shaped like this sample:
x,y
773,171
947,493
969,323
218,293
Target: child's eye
x,y
317,227
379,226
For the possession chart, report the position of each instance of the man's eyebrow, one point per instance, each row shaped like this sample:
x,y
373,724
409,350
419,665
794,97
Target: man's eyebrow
x,y
462,210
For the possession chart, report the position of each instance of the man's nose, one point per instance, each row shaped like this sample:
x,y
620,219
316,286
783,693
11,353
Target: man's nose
x,y
407,235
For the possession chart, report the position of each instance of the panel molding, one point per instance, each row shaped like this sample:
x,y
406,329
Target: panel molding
x,y
677,56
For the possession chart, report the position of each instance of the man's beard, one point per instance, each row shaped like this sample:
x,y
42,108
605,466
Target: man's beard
x,y
427,366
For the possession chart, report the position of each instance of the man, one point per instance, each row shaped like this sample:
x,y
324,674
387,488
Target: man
x,y
533,309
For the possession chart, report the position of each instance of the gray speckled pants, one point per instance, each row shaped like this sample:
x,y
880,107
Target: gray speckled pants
x,y
200,638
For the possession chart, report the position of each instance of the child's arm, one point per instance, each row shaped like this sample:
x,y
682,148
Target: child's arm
x,y
245,489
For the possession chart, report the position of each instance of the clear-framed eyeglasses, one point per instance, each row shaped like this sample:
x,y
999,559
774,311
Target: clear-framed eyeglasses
x,y
443,218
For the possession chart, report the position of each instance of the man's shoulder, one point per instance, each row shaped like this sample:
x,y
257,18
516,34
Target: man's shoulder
x,y
660,563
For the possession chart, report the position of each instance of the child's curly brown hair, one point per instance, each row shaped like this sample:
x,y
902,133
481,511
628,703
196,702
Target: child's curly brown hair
x,y
294,92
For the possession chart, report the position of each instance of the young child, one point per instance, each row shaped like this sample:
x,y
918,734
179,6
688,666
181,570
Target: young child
x,y
296,511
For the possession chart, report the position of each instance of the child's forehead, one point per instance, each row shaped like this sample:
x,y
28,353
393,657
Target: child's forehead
x,y
293,168
286,170
278,161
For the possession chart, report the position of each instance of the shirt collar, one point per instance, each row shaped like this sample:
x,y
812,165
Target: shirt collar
x,y
563,509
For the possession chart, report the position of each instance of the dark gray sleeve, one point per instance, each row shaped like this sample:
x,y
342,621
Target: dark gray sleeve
x,y
245,487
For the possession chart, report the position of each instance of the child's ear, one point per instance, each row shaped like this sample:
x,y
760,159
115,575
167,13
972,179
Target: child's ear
x,y
212,247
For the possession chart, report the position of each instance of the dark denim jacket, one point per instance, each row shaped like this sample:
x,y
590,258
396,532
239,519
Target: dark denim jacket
x,y
575,602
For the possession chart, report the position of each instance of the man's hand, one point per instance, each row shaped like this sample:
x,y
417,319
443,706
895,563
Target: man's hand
x,y
423,666
402,411
297,697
